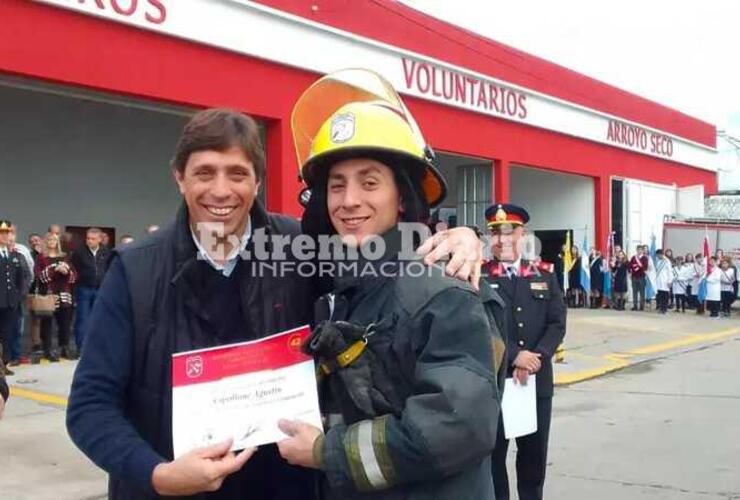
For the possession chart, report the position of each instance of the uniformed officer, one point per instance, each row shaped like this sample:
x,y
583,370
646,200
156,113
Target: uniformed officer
x,y
536,326
14,280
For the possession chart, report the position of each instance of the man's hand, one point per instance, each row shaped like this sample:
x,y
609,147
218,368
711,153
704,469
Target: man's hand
x,y
200,470
466,253
298,448
528,360
521,376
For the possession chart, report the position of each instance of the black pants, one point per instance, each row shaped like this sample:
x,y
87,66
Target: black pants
x,y
713,306
638,293
661,300
8,318
63,317
531,457
680,301
728,298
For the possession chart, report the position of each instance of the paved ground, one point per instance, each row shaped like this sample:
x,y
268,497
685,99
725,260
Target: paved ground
x,y
664,429
657,429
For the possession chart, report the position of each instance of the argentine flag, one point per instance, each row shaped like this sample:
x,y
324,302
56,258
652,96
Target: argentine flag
x,y
650,287
585,268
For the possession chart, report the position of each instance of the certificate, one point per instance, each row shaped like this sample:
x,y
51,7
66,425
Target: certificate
x,y
519,408
241,391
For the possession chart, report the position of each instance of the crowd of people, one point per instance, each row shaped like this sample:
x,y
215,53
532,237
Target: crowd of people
x,y
52,284
675,282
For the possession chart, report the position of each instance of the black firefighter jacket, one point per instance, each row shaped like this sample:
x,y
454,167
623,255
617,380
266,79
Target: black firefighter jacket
x,y
434,339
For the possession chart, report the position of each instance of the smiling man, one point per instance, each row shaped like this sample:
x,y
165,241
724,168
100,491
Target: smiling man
x,y
169,293
182,288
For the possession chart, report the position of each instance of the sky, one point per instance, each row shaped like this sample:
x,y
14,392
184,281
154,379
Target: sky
x,y
681,53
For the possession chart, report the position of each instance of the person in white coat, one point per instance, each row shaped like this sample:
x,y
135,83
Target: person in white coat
x,y
727,281
682,274
663,280
714,288
697,276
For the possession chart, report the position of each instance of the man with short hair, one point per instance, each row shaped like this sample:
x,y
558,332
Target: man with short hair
x,y
36,244
16,337
14,279
638,272
91,263
535,317
126,239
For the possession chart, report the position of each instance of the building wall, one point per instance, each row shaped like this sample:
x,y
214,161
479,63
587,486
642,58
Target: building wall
x,y
80,162
555,201
80,50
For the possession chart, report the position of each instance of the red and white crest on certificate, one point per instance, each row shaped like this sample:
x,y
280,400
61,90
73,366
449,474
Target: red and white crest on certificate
x,y
194,366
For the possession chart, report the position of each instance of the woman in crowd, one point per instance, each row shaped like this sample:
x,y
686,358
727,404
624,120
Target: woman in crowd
x,y
714,288
620,269
576,293
697,276
690,297
727,282
669,254
56,276
682,274
596,267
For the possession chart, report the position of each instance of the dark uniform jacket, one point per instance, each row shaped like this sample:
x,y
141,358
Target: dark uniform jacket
x,y
535,315
122,418
15,278
433,338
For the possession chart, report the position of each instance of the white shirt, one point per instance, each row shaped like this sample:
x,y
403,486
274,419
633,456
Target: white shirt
x,y
713,284
228,267
727,277
663,274
512,268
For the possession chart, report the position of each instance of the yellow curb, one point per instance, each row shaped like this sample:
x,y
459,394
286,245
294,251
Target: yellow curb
x,y
619,360
695,339
39,397
572,378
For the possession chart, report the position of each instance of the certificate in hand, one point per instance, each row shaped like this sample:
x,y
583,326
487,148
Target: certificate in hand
x,y
241,391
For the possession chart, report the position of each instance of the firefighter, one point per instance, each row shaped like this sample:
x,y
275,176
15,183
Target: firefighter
x,y
408,386
536,326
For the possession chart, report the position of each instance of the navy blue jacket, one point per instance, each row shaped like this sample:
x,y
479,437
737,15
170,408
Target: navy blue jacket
x,y
157,299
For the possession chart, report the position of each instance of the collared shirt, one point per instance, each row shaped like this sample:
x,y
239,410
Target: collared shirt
x,y
228,267
4,253
94,252
512,268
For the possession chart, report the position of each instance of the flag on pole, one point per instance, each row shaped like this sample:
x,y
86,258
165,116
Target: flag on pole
x,y
585,269
650,287
607,268
567,261
702,295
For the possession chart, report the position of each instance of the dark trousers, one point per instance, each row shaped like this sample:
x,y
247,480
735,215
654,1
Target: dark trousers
x,y
713,306
63,317
638,292
661,300
728,298
531,457
8,318
16,336
85,297
680,302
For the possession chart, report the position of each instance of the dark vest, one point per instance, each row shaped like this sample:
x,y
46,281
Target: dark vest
x,y
170,314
